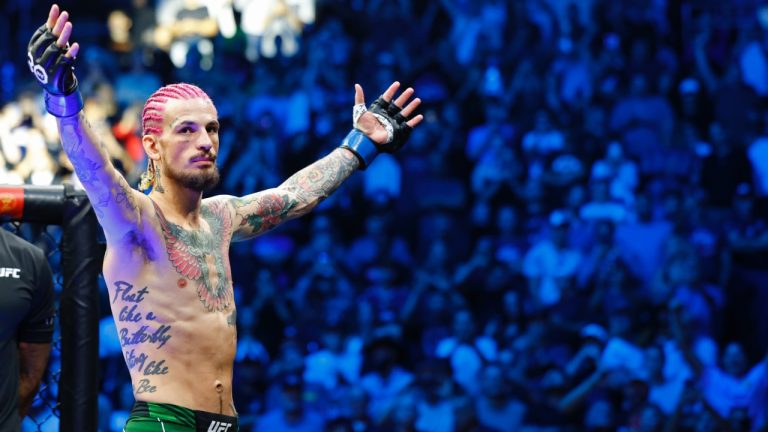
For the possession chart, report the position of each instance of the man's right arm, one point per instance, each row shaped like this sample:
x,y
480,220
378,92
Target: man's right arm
x,y
51,59
113,199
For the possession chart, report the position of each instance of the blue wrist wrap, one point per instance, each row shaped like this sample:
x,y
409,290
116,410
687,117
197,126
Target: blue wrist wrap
x,y
64,105
361,146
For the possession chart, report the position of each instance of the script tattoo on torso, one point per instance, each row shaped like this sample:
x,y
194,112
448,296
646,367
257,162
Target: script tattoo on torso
x,y
200,255
139,331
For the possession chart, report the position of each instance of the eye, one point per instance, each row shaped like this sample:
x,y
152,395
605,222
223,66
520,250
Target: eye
x,y
186,130
212,129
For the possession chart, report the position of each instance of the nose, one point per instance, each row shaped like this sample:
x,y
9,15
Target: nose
x,y
205,143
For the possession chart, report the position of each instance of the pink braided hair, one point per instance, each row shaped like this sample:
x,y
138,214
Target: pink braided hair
x,y
152,115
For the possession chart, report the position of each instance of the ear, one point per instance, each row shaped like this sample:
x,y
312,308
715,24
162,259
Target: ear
x,y
151,146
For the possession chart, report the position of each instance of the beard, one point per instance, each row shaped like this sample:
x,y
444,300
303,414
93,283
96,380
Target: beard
x,y
201,181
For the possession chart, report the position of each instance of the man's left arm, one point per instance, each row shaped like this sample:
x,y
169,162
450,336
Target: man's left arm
x,y
383,128
35,333
33,358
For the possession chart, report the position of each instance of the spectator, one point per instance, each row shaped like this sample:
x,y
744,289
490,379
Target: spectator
x,y
544,140
385,380
620,171
292,415
339,359
496,410
644,120
754,61
466,351
550,265
642,240
601,206
186,24
438,400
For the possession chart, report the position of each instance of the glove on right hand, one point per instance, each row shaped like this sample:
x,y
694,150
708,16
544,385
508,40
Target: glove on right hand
x,y
52,68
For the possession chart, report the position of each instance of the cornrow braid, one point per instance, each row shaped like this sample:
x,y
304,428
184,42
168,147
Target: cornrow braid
x,y
152,115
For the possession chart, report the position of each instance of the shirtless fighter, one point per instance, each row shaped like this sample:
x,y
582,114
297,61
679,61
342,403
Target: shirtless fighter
x,y
166,264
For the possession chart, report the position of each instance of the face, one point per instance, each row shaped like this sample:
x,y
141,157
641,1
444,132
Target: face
x,y
188,146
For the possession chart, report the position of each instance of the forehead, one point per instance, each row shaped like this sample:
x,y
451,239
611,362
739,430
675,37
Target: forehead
x,y
198,110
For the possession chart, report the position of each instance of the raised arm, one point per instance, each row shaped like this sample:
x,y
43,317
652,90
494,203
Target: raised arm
x,y
383,128
50,58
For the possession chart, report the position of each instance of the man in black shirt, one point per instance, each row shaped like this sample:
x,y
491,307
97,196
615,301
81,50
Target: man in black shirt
x,y
26,326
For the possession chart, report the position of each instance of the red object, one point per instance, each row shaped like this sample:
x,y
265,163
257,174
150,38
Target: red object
x,y
130,140
12,201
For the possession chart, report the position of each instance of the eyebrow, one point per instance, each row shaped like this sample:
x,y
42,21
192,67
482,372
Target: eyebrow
x,y
177,122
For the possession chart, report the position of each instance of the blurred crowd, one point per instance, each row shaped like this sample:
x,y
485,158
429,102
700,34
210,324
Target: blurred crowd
x,y
575,239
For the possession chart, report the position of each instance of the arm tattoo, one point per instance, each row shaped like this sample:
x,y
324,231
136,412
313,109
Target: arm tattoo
x,y
262,212
201,255
124,196
93,168
297,196
317,181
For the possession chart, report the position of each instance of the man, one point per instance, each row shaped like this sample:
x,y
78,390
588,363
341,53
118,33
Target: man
x,y
166,265
26,326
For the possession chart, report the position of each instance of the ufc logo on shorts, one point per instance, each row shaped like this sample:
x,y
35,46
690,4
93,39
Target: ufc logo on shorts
x,y
8,272
217,426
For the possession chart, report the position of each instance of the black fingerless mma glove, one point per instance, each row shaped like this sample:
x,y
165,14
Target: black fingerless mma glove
x,y
388,114
55,73
400,129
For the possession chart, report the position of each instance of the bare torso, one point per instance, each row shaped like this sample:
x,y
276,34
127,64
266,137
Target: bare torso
x,y
171,295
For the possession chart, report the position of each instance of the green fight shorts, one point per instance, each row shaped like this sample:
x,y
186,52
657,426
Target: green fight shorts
x,y
156,417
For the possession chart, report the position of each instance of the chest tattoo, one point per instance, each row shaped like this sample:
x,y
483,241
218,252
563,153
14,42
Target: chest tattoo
x,y
199,255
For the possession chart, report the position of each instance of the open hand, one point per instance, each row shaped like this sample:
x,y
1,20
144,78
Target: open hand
x,y
50,57
59,24
372,127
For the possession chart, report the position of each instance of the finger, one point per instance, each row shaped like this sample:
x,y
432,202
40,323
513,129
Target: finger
x,y
53,15
60,23
359,95
73,50
408,110
65,34
414,121
403,98
390,93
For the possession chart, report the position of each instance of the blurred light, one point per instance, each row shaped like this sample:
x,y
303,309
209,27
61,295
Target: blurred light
x,y
266,20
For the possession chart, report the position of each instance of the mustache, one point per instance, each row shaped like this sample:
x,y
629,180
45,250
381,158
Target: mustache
x,y
205,156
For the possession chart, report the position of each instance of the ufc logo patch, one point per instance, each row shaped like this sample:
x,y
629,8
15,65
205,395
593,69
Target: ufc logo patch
x,y
8,272
217,426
